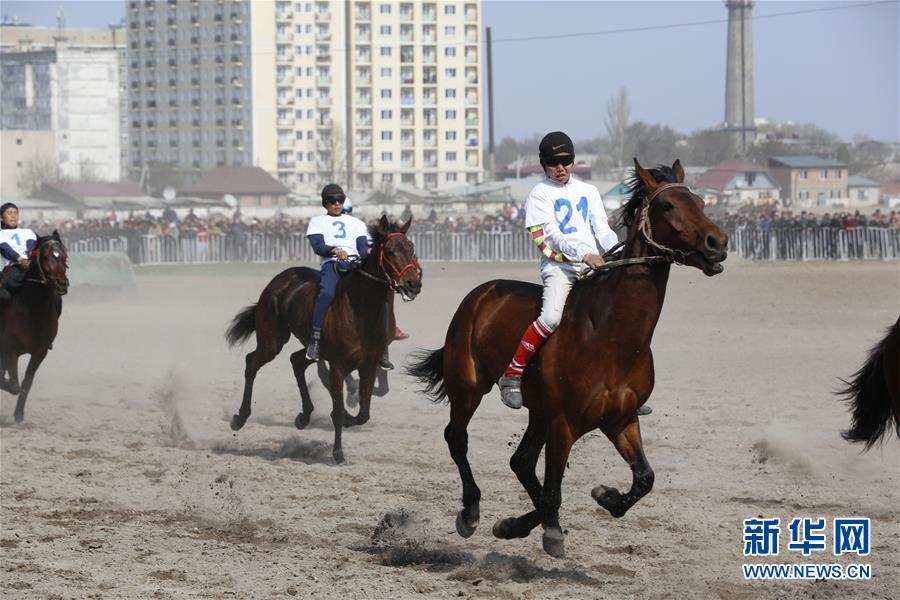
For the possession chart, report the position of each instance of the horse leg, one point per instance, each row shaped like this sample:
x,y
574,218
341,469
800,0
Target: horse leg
x,y
336,387
559,444
254,362
352,391
462,407
381,383
523,463
366,384
11,366
629,444
33,364
300,363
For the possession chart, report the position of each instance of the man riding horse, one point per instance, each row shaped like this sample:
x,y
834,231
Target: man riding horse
x,y
16,245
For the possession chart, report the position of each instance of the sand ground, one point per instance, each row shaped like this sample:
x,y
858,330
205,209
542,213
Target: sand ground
x,y
125,481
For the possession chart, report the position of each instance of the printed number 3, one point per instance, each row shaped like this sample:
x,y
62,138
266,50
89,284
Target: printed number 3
x,y
342,233
563,205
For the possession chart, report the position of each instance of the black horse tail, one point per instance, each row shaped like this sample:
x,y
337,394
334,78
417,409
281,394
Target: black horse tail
x,y
428,367
242,326
868,395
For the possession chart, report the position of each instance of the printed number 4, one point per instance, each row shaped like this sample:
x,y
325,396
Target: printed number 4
x,y
342,233
563,205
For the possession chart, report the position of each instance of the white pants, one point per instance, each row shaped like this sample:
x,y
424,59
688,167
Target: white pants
x,y
557,284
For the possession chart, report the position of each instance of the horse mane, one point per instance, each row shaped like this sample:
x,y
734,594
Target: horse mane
x,y
378,236
628,213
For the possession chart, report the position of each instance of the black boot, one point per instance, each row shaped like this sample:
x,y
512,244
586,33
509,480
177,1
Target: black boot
x,y
312,350
385,362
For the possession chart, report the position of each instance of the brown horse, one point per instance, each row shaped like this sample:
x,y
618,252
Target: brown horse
x,y
354,336
593,372
874,392
29,322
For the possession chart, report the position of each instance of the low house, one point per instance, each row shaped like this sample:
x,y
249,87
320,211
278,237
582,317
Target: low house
x,y
248,186
737,184
862,191
808,181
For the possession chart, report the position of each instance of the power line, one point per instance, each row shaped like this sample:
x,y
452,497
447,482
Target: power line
x,y
689,24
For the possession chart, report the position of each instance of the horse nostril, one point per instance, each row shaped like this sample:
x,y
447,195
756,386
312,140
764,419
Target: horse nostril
x,y
711,242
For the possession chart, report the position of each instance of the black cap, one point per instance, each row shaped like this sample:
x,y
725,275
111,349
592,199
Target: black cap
x,y
7,206
556,142
332,191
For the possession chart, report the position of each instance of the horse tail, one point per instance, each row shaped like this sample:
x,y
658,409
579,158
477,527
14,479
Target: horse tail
x,y
428,367
242,326
870,399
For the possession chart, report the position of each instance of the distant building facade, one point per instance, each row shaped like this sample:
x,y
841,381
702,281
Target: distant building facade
x,y
807,181
365,93
862,192
738,183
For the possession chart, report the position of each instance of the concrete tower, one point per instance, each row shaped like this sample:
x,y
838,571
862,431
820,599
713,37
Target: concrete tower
x,y
739,73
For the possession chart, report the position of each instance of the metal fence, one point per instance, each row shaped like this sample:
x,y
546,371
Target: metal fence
x,y
860,243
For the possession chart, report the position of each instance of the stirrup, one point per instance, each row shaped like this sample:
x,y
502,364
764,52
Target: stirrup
x,y
511,391
644,410
312,350
385,363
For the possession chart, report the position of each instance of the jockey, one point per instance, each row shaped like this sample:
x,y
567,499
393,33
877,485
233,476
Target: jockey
x,y
564,216
335,237
16,245
385,362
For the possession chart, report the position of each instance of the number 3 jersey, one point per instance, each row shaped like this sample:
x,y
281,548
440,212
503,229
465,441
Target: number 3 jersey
x,y
15,240
566,221
340,232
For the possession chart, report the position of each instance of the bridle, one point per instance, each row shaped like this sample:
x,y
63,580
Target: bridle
x,y
391,279
668,255
36,256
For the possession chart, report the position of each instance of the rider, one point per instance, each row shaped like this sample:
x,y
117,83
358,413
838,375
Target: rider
x,y
335,237
16,245
564,216
385,362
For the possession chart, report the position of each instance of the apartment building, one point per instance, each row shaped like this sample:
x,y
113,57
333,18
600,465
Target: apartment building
x,y
810,180
366,93
61,106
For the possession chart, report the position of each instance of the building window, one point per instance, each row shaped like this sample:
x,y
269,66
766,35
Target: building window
x,y
804,174
387,136
450,113
824,174
385,72
449,51
450,136
385,50
449,9
385,94
387,177
450,30
451,177
385,30
450,93
385,9
450,73
450,156
386,114
387,156
838,174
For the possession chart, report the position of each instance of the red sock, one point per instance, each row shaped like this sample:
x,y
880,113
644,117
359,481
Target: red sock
x,y
532,340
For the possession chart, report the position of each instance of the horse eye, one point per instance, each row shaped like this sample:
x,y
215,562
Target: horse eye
x,y
667,206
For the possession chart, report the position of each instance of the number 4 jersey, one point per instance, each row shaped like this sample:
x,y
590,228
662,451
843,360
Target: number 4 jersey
x,y
340,232
15,240
566,221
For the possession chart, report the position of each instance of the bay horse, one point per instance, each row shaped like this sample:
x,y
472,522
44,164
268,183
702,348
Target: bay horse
x,y
354,336
593,372
874,392
30,320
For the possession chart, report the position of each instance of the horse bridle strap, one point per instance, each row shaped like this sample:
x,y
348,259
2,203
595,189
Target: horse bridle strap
x,y
398,273
37,259
676,256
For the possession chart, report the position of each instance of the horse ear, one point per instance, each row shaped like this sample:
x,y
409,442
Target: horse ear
x,y
678,170
405,227
55,235
645,177
383,225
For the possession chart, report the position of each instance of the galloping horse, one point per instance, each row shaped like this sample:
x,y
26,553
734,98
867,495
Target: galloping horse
x,y
29,322
593,372
874,392
354,335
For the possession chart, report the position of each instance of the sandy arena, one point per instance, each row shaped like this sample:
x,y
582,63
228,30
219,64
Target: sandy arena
x,y
125,480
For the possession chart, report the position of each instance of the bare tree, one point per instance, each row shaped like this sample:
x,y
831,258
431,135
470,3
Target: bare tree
x,y
40,169
618,111
332,159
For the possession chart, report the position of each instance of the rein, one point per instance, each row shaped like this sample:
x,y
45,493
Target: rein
x,y
388,280
669,255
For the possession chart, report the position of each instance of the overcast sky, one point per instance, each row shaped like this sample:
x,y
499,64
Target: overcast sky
x,y
836,67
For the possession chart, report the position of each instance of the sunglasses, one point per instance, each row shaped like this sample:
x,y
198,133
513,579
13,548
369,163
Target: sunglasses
x,y
555,161
335,199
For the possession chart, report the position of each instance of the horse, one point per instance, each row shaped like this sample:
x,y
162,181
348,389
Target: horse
x,y
593,372
874,392
354,336
30,320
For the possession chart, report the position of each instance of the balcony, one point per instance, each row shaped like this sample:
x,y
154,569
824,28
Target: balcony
x,y
323,102
284,15
363,141
286,121
429,142
286,164
323,36
323,80
471,122
363,101
324,144
284,100
284,58
285,79
323,57
285,143
407,100
285,37
471,100
363,15
323,14
325,123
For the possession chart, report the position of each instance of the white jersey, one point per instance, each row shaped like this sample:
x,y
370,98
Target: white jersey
x,y
340,232
573,220
18,240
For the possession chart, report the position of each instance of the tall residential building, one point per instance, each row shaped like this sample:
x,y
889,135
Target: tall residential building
x,y
60,105
366,93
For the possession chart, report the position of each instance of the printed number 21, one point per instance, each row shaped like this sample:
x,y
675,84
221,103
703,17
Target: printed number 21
x,y
563,204
343,230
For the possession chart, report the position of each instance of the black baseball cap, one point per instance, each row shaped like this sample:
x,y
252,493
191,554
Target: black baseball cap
x,y
556,142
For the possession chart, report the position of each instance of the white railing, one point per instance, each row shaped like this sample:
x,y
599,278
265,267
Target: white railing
x,y
859,243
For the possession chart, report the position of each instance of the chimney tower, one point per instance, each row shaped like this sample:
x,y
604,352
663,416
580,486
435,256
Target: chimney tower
x,y
739,74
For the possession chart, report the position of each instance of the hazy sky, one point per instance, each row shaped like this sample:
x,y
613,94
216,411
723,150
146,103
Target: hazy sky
x,y
838,68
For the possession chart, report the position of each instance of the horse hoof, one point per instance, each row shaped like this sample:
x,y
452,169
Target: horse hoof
x,y
610,499
463,527
237,422
338,456
19,417
554,543
301,420
505,529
